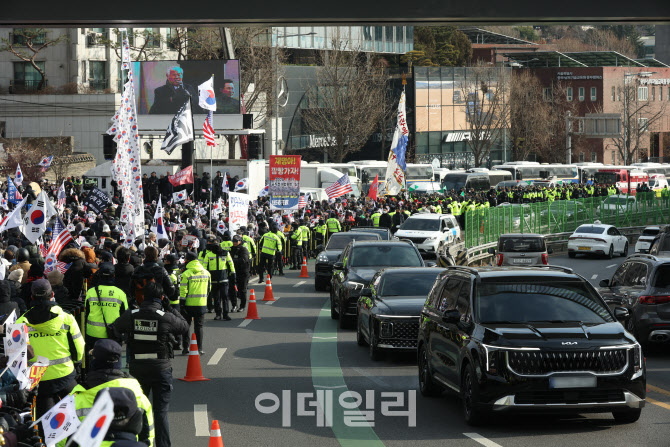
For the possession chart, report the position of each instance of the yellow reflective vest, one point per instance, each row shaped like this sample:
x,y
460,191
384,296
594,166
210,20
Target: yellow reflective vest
x,y
271,243
52,338
195,284
333,225
103,310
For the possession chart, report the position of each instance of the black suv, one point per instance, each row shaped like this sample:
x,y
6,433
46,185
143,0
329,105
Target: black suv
x,y
357,265
527,339
642,285
660,246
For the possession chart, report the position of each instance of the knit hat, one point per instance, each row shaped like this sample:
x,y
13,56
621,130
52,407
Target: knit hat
x,y
55,278
16,275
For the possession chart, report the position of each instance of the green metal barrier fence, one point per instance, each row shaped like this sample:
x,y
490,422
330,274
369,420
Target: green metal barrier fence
x,y
487,224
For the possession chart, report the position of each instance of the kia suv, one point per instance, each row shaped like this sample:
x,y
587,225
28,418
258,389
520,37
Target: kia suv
x,y
527,339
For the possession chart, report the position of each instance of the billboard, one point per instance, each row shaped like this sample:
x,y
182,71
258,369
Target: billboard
x,y
284,182
162,87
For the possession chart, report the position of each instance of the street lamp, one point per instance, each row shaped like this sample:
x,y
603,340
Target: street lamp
x,y
626,117
275,151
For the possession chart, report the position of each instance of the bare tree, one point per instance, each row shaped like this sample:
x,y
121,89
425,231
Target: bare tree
x,y
486,109
348,100
145,45
530,118
638,116
27,43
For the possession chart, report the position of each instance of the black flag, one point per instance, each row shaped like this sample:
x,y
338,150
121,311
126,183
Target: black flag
x,y
180,130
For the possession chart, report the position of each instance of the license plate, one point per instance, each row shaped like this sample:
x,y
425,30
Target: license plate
x,y
522,261
584,248
572,382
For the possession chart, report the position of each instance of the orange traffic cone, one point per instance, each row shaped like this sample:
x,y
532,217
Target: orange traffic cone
x,y
193,369
252,312
303,270
215,435
268,296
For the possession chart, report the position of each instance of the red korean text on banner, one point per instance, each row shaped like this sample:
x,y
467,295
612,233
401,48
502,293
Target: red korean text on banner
x,y
182,177
284,182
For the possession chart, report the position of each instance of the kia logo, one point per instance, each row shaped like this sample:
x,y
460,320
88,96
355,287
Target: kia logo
x,y
569,343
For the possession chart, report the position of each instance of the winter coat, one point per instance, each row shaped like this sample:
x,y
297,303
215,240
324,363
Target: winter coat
x,y
25,266
6,303
78,271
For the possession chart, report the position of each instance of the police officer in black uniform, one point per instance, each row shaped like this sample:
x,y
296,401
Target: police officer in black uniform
x,y
151,331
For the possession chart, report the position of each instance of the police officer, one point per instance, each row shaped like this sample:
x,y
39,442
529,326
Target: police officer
x,y
375,218
220,266
172,268
104,304
333,224
279,258
104,372
151,331
194,288
296,242
55,335
128,420
305,234
240,256
227,242
269,245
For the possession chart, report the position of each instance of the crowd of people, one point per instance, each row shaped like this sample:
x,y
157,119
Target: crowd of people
x,y
149,295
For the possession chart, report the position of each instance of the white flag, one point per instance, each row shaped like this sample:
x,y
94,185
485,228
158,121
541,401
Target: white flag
x,y
60,422
18,177
180,130
241,185
206,97
36,219
158,226
395,176
13,220
92,431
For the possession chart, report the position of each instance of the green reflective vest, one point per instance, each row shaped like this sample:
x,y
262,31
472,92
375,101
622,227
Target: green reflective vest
x,y
83,401
333,225
297,236
52,338
103,310
218,266
375,219
175,281
305,234
226,245
271,243
195,284
249,244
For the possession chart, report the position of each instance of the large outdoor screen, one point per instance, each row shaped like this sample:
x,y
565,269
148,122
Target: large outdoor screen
x,y
164,86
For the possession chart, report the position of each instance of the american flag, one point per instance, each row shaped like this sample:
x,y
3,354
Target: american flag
x,y
302,202
44,250
339,188
46,163
208,129
51,263
61,196
61,237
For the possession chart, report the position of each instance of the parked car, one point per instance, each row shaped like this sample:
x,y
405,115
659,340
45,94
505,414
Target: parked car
x,y
329,254
389,310
647,236
571,210
660,246
358,264
528,339
430,231
597,238
521,249
642,285
383,232
617,203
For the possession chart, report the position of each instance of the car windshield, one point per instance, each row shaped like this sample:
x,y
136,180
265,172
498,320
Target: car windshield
x,y
407,283
383,233
421,224
590,229
521,244
650,232
340,240
454,181
547,301
385,255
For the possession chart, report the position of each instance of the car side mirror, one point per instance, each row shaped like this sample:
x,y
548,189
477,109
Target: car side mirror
x,y
604,283
550,250
319,247
431,264
338,266
366,291
451,316
492,251
621,313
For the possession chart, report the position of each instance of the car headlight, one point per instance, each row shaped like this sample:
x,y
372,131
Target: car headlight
x,y
355,286
492,355
637,361
322,258
433,238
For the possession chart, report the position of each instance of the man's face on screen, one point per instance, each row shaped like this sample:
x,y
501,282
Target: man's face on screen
x,y
174,78
228,89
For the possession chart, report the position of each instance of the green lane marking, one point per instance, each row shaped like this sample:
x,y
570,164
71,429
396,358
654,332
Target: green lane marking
x,y
327,375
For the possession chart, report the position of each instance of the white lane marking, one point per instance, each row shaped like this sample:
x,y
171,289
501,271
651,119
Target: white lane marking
x,y
216,358
610,266
245,323
299,283
594,276
482,440
324,338
372,378
201,420
270,302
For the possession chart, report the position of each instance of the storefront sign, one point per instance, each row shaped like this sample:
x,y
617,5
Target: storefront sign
x,y
652,81
567,75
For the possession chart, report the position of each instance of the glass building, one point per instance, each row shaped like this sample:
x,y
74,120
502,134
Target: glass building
x,y
377,39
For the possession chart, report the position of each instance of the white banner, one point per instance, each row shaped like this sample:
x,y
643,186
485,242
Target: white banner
x,y
238,210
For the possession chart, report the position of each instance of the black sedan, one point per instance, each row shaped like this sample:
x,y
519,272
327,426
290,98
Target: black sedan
x,y
389,310
357,265
328,256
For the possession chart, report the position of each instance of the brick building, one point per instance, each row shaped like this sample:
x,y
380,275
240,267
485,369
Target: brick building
x,y
594,82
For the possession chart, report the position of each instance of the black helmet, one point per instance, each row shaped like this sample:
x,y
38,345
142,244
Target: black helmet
x,y
22,255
